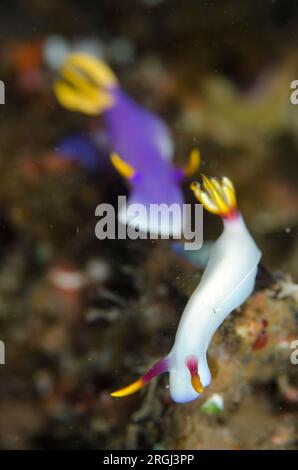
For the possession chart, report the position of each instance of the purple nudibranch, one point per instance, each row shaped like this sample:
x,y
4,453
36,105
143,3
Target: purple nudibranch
x,y
140,141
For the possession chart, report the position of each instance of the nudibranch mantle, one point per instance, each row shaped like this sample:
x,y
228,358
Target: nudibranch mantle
x,y
228,280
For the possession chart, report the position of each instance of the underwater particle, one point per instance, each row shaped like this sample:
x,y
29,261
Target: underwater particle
x,y
55,50
98,270
26,57
284,434
79,148
89,45
262,338
95,315
67,278
151,3
261,341
121,50
43,382
214,405
288,391
287,288
43,253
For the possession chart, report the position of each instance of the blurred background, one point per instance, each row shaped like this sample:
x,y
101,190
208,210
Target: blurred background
x,y
80,317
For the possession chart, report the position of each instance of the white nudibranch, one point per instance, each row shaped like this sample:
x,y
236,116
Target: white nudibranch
x,y
228,280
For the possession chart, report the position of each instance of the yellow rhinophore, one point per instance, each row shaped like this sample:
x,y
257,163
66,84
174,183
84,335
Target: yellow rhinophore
x,y
125,170
98,71
85,84
216,196
193,163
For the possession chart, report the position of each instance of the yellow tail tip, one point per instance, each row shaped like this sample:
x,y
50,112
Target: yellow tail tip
x,y
129,390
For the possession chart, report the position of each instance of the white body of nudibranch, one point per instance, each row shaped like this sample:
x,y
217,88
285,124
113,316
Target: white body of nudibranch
x,y
228,280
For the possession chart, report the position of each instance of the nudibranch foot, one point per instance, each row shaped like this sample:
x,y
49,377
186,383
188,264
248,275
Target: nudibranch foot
x,y
159,368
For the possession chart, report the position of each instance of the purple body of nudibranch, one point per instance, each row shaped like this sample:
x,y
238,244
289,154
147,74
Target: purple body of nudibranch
x,y
142,140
